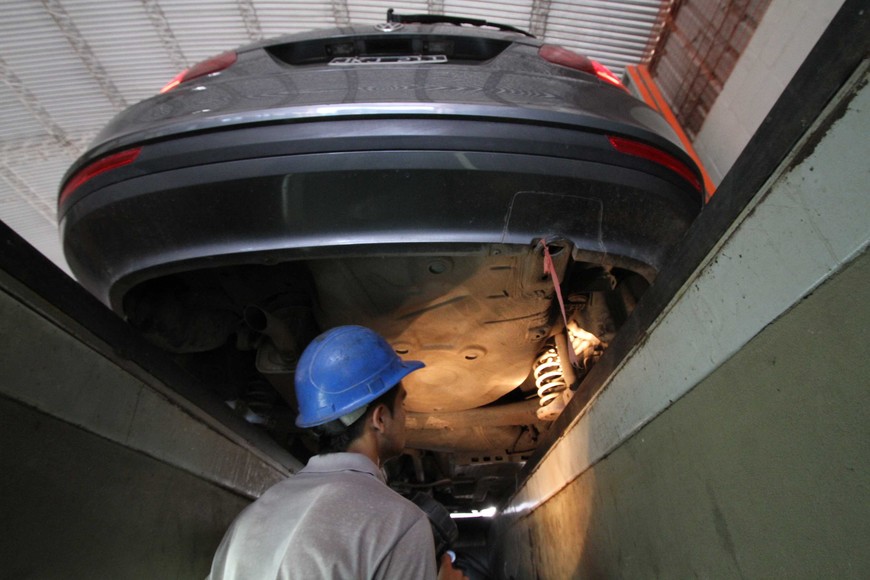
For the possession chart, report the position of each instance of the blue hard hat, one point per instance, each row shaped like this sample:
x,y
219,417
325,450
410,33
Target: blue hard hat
x,y
344,369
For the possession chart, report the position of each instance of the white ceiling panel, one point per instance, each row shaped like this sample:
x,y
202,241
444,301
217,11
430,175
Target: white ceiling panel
x,y
513,12
204,28
279,17
18,124
374,12
48,77
615,37
134,56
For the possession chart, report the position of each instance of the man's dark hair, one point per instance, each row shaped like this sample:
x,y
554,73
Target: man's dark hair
x,y
334,437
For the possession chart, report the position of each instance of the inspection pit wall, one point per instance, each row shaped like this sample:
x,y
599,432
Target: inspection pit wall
x,y
733,440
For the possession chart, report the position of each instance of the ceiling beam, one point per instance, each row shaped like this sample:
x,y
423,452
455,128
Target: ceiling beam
x,y
340,12
35,108
250,19
83,50
538,18
26,193
164,33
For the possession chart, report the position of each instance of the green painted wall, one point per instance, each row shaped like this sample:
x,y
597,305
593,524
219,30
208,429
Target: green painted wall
x,y
75,505
101,476
761,471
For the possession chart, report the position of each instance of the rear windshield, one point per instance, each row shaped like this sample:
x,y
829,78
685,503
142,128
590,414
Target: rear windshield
x,y
322,51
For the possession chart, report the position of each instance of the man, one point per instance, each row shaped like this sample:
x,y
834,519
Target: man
x,y
337,518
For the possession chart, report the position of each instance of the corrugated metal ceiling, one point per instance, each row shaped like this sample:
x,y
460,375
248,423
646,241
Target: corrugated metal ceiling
x,y
67,66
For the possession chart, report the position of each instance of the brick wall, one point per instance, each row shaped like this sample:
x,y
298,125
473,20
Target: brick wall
x,y
782,40
698,51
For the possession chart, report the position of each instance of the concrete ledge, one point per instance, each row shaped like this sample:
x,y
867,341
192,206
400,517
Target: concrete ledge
x,y
50,370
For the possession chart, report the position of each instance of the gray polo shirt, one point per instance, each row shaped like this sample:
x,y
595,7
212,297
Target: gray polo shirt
x,y
336,518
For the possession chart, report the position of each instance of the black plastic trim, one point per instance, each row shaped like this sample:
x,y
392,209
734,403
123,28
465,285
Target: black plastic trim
x,y
386,134
367,198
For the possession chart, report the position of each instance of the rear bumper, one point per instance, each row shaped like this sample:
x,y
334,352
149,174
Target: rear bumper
x,y
287,192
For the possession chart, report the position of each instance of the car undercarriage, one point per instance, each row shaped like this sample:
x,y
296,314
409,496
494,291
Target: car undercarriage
x,y
486,321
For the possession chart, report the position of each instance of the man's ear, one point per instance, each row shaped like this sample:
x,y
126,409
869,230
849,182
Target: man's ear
x,y
378,417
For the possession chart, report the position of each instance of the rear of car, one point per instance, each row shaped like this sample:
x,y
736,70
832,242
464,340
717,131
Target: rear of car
x,y
413,178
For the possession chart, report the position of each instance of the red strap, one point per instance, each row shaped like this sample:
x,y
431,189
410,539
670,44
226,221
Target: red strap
x,y
550,269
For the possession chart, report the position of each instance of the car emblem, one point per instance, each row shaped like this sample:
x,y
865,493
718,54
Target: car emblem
x,y
398,59
389,26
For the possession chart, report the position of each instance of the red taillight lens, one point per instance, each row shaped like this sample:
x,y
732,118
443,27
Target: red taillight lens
x,y
605,74
206,67
96,168
570,59
638,149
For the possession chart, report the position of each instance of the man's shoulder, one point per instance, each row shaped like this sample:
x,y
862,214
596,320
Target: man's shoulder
x,y
336,486
361,488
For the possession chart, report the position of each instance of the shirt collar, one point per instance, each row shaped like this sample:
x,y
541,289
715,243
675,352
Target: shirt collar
x,y
335,462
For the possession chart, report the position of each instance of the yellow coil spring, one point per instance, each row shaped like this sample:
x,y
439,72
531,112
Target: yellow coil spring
x,y
548,376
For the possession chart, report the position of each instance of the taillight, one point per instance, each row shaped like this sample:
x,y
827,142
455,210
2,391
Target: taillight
x,y
650,153
96,168
206,67
605,74
571,59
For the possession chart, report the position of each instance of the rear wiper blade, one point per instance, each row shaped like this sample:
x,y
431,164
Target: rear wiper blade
x,y
457,20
